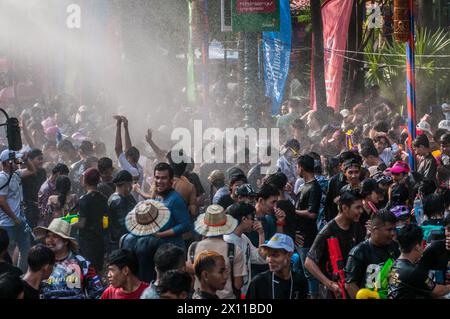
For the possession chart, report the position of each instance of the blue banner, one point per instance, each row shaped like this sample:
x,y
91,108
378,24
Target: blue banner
x,y
277,51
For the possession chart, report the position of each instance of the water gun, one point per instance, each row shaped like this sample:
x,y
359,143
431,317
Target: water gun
x,y
380,290
70,218
429,230
337,263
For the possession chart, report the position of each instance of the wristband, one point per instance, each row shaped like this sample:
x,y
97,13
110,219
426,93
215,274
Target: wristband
x,y
281,223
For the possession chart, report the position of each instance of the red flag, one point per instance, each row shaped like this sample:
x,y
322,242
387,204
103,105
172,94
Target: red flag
x,y
335,19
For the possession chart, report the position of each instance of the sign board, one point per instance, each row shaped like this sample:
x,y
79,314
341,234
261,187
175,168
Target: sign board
x,y
255,15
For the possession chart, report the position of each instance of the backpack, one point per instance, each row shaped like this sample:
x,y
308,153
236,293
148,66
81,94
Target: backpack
x,y
230,255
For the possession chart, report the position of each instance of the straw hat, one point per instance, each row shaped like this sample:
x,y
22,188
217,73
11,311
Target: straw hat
x,y
215,222
147,218
59,227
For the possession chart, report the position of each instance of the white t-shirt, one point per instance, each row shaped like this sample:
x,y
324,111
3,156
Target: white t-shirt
x,y
14,196
134,171
251,255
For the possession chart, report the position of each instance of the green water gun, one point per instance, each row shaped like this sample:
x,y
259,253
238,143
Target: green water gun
x,y
71,218
383,278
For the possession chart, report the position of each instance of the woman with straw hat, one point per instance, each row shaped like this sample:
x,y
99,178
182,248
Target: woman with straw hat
x,y
73,277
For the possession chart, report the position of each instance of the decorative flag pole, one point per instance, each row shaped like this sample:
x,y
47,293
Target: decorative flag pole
x,y
411,86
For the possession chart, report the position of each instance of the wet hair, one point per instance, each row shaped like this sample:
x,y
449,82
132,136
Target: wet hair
x,y
65,146
421,140
86,147
124,257
382,217
237,178
160,167
347,198
11,286
133,153
408,237
278,179
35,152
240,210
306,162
168,257
346,155
293,143
63,186
104,164
206,261
4,240
266,191
433,205
369,150
178,168
381,126
61,169
174,281
40,256
426,187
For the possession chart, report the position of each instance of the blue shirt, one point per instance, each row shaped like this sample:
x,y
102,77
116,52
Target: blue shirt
x,y
179,220
220,192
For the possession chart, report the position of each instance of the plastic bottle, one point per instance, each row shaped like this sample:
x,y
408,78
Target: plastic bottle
x,y
418,211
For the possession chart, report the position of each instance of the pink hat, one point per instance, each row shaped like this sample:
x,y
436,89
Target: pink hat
x,y
399,167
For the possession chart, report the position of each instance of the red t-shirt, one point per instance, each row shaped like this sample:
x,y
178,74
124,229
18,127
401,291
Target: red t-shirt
x,y
117,293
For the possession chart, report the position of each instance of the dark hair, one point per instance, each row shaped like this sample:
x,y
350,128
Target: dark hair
x,y
178,167
61,169
133,152
332,163
421,140
168,257
347,198
62,186
266,191
383,216
298,124
368,149
205,261
278,179
240,210
346,155
433,205
65,146
86,148
439,132
39,256
4,240
174,281
399,194
445,139
35,152
408,237
104,164
293,143
91,176
306,162
381,126
163,167
124,257
426,187
11,286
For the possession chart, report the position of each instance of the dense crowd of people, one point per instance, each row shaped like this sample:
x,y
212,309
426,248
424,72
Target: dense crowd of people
x,y
342,216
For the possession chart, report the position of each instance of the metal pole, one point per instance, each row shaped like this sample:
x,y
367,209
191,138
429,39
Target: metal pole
x,y
411,87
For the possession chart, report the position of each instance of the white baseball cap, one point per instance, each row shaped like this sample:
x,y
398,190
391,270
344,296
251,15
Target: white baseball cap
x,y
6,155
424,126
445,107
445,124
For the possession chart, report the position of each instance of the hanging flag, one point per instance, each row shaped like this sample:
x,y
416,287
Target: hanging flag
x,y
277,51
190,86
335,19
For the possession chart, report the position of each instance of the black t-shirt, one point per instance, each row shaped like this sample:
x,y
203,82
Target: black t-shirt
x,y
269,286
31,185
407,281
106,188
334,187
93,206
365,262
348,239
225,201
8,268
118,208
436,262
291,218
308,199
29,292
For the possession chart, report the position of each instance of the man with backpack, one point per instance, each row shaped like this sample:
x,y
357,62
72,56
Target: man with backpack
x,y
213,225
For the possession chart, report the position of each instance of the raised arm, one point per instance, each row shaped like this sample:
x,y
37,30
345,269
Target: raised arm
x,y
159,152
118,147
128,143
26,133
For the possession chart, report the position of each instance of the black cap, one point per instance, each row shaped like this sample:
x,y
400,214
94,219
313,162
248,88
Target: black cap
x,y
245,190
351,162
399,194
123,177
